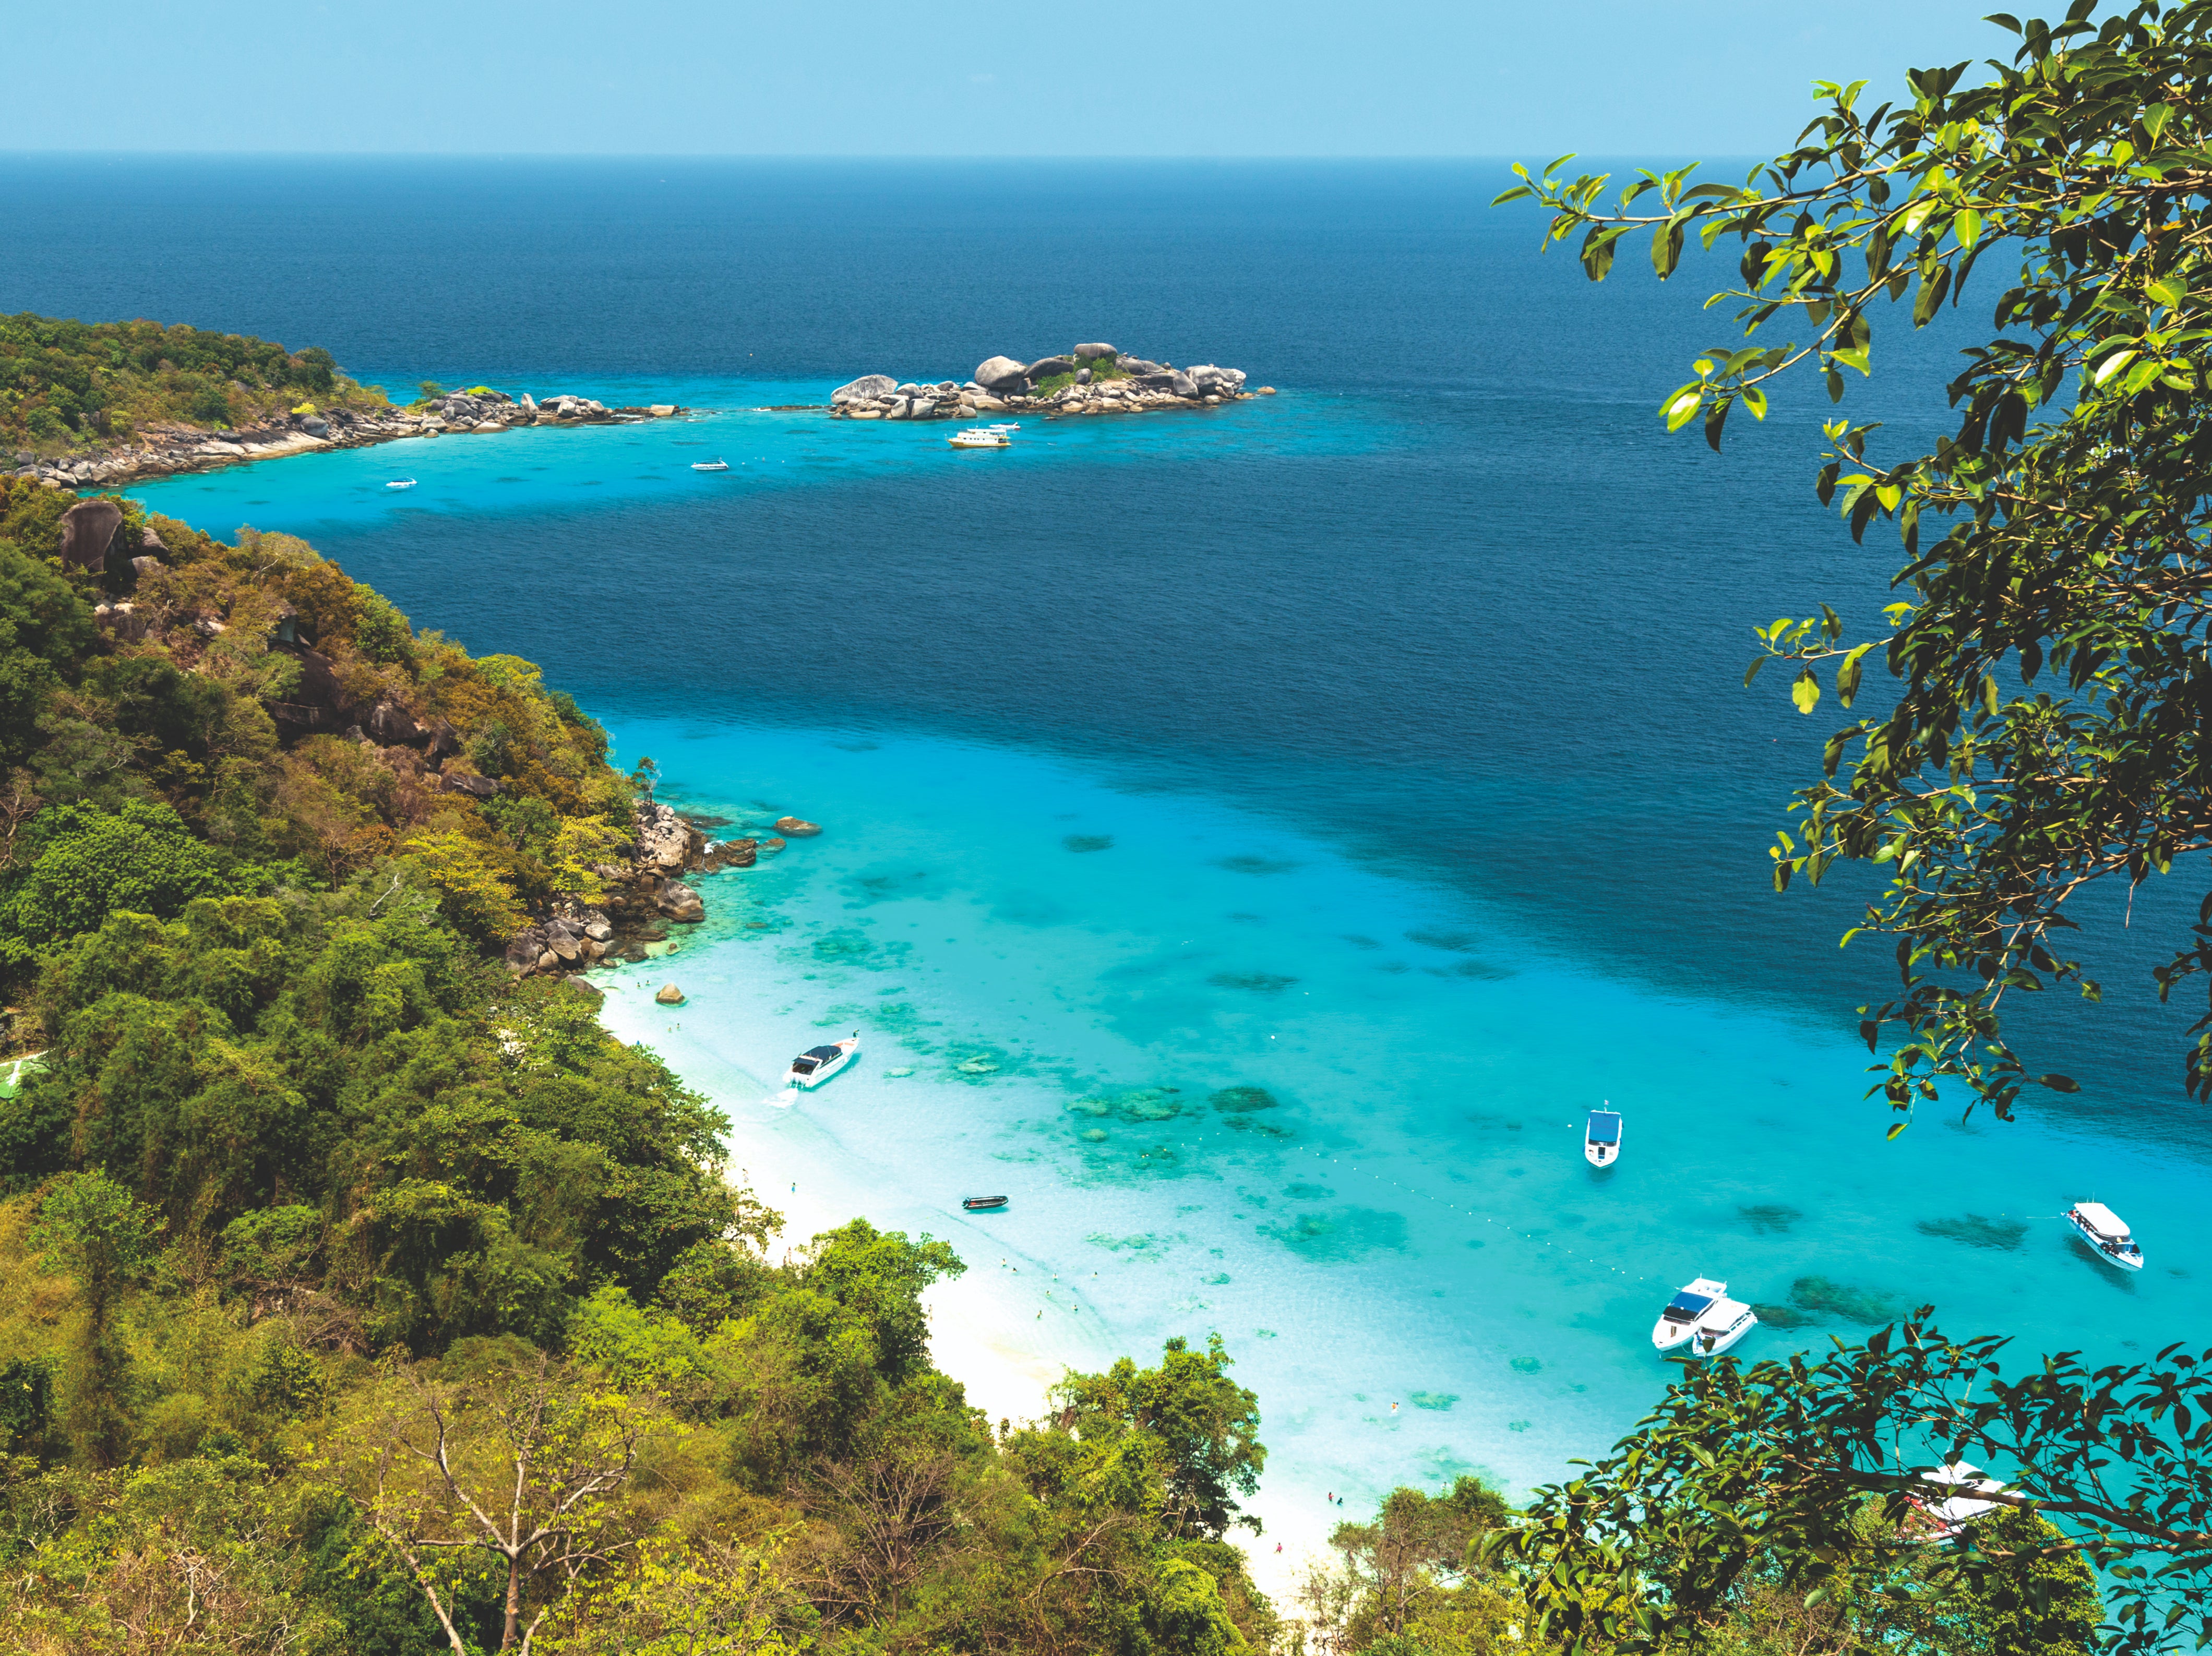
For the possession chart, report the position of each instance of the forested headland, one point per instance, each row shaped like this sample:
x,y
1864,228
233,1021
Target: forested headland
x,y
66,384
357,1295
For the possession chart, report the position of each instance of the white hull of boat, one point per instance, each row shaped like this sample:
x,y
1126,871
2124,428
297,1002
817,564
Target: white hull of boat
x,y
1680,1320
808,1079
1722,1328
1602,1152
2127,1258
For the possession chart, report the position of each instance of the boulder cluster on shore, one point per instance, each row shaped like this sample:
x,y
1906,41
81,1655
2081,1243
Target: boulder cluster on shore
x,y
1092,379
644,894
159,450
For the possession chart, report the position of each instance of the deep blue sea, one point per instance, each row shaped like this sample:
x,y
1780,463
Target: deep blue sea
x,y
1382,744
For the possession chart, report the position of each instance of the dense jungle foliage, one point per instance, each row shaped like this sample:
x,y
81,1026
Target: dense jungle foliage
x,y
64,383
320,1236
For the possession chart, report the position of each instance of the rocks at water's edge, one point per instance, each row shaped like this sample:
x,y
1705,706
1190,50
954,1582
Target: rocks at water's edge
x,y
797,828
669,995
1105,380
646,893
160,450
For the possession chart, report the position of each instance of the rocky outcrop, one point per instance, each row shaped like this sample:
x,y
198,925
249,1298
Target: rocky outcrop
x,y
680,903
1001,373
865,389
1106,381
646,893
157,450
669,995
797,828
88,531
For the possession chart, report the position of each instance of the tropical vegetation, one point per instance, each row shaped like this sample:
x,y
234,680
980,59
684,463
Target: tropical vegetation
x,y
357,1297
66,384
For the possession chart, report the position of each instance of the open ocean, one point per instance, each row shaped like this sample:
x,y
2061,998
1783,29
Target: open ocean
x,y
1382,745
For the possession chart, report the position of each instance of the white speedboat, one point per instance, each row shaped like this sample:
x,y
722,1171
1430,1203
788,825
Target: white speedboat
x,y
2107,1232
981,437
818,1064
1602,1138
1680,1319
401,482
710,466
1954,1498
1722,1325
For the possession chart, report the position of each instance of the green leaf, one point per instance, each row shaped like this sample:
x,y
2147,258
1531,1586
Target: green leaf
x,y
2105,369
2156,117
1966,225
2166,290
1895,1129
1755,400
1684,407
1806,692
2058,1083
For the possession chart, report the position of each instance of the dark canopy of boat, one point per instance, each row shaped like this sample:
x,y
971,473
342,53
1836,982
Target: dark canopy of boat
x,y
1605,1127
825,1053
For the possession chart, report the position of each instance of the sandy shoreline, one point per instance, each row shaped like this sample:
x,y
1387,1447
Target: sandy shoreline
x,y
1008,1329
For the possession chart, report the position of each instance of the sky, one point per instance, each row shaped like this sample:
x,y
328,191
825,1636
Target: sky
x,y
954,77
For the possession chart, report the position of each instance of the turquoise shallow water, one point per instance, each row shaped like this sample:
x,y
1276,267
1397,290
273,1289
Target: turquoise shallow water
x,y
1411,1223
1382,746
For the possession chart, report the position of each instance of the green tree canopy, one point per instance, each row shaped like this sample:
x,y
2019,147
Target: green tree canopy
x,y
1201,1428
2048,735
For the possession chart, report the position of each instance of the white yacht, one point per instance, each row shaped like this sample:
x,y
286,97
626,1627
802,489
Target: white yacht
x,y
1722,1325
2107,1232
1953,1499
710,466
401,482
981,437
1602,1138
818,1064
1680,1319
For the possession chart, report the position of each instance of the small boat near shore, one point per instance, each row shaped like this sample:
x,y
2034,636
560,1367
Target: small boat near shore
x,y
2107,1232
1724,1324
710,466
1955,1499
1602,1138
401,482
983,1204
1681,1318
818,1064
981,437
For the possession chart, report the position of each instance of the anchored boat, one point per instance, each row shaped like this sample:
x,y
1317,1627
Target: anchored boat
x,y
981,437
1955,1499
1602,1138
401,482
710,466
818,1064
1680,1319
2107,1232
1724,1324
983,1204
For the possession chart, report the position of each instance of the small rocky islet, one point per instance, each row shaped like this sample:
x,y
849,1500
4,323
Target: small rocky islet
x,y
1091,378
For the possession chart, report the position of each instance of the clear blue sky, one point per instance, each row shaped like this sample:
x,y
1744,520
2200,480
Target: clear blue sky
x,y
954,77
